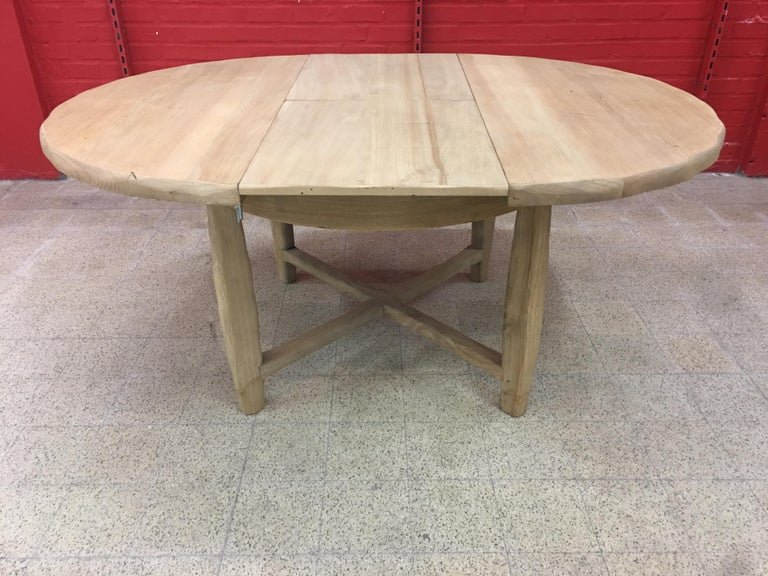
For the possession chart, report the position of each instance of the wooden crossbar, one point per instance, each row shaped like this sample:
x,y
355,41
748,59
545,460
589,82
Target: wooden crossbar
x,y
288,352
450,338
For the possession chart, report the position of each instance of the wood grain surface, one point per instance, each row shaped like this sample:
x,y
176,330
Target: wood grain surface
x,y
541,132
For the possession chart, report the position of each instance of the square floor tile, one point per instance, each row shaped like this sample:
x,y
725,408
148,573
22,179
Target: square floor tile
x,y
460,564
149,399
446,450
368,398
118,566
96,521
567,354
213,400
636,354
744,563
526,449
373,349
25,516
268,566
634,564
64,455
454,516
422,356
19,399
195,453
365,517
367,451
544,516
698,353
287,451
276,518
721,516
430,398
588,564
746,442
727,397
109,358
607,450
634,516
609,317
291,397
686,449
186,518
655,397
37,358
749,350
577,397
364,565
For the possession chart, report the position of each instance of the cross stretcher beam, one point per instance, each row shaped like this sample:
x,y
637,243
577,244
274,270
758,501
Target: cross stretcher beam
x,y
378,302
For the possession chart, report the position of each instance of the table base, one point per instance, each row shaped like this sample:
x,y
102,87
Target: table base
x,y
523,306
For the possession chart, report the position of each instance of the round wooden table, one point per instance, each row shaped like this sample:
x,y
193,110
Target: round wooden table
x,y
383,142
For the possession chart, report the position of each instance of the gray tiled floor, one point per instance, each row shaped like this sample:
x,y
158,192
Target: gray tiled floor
x,y
644,451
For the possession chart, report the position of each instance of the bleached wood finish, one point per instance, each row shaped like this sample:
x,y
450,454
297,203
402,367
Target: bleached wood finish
x,y
376,212
289,352
313,339
383,141
282,239
567,133
524,306
383,145
450,338
482,239
541,132
237,305
185,133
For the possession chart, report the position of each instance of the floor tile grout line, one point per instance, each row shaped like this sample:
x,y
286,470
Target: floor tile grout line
x,y
238,491
498,507
317,549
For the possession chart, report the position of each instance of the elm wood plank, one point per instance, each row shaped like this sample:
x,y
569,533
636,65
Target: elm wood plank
x,y
357,77
282,239
443,77
295,349
567,133
237,305
463,346
482,238
288,352
553,132
379,146
373,213
419,285
185,133
524,306
407,290
327,273
458,343
367,125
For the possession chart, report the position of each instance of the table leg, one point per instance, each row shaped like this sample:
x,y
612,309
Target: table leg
x,y
524,306
482,238
282,236
237,305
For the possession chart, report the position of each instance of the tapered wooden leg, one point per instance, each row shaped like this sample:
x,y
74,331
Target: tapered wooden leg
x,y
524,306
282,235
237,305
482,238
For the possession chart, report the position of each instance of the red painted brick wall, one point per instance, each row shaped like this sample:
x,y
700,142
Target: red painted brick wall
x,y
73,46
661,39
20,110
738,84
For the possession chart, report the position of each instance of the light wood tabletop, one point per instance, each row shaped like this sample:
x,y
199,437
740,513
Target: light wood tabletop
x,y
383,141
